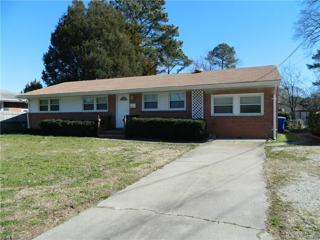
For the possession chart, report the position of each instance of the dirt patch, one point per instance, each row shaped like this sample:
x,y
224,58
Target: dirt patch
x,y
303,193
293,179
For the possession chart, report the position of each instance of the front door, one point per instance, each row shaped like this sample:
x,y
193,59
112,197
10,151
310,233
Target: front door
x,y
122,109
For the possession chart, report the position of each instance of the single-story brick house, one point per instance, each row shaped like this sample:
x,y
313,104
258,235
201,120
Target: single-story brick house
x,y
234,102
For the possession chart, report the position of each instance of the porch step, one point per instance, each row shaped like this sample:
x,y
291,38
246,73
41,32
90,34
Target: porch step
x,y
115,134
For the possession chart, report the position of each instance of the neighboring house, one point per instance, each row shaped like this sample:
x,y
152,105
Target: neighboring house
x,y
10,103
299,114
234,102
12,112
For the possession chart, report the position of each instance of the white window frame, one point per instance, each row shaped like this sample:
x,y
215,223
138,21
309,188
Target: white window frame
x,y
150,109
95,103
236,104
261,102
49,107
101,110
222,114
49,104
184,101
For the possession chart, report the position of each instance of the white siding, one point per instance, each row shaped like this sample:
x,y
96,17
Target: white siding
x,y
33,105
71,104
67,104
163,101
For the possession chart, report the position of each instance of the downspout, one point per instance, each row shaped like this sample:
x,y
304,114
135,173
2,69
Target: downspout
x,y
274,112
28,122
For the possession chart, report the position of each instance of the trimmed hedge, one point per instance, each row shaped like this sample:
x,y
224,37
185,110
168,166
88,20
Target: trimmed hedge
x,y
314,123
166,128
61,127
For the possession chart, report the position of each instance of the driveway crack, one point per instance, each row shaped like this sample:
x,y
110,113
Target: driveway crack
x,y
183,215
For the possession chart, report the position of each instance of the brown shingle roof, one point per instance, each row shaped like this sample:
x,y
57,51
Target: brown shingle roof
x,y
229,76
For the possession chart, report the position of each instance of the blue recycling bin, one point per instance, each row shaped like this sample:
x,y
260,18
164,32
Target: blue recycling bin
x,y
281,124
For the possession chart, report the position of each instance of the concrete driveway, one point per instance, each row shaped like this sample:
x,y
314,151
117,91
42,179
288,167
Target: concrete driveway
x,y
215,191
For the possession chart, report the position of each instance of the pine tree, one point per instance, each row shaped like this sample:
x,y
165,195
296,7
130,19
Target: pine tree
x,y
33,85
222,56
91,43
149,26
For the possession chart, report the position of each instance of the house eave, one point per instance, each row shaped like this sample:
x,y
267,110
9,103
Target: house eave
x,y
269,83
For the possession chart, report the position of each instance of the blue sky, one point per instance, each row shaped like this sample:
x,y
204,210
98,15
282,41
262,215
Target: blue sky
x,y
261,32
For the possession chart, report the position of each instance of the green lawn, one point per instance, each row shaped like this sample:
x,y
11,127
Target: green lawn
x,y
286,137
45,180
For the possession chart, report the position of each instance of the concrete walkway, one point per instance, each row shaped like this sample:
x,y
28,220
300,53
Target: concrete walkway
x,y
215,191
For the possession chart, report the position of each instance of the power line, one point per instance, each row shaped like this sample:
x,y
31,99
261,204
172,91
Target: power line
x,y
293,52
282,62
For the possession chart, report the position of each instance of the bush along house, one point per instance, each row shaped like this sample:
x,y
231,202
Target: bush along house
x,y
238,102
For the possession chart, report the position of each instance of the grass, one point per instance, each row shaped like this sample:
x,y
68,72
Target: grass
x,y
46,180
283,167
286,137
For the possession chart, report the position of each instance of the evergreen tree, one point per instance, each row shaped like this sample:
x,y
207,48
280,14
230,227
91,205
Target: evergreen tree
x,y
316,64
172,57
149,26
316,67
91,43
33,85
222,56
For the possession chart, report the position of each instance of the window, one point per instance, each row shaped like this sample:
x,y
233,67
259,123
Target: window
x,y
250,104
222,105
88,103
54,104
150,101
44,105
177,100
102,103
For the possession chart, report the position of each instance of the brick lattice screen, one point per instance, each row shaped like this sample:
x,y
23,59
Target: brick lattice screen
x,y
197,104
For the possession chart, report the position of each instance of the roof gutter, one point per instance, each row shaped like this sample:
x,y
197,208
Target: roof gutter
x,y
20,100
158,89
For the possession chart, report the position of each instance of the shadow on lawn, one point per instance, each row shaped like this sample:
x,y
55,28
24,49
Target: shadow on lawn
x,y
304,139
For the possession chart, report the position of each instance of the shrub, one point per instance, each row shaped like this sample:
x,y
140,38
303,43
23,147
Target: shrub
x,y
61,127
314,123
166,128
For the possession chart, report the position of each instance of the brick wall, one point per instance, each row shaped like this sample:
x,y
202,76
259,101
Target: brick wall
x,y
221,126
241,126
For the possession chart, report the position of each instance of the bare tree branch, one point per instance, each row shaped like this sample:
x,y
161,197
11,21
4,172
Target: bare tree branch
x,y
308,26
291,88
